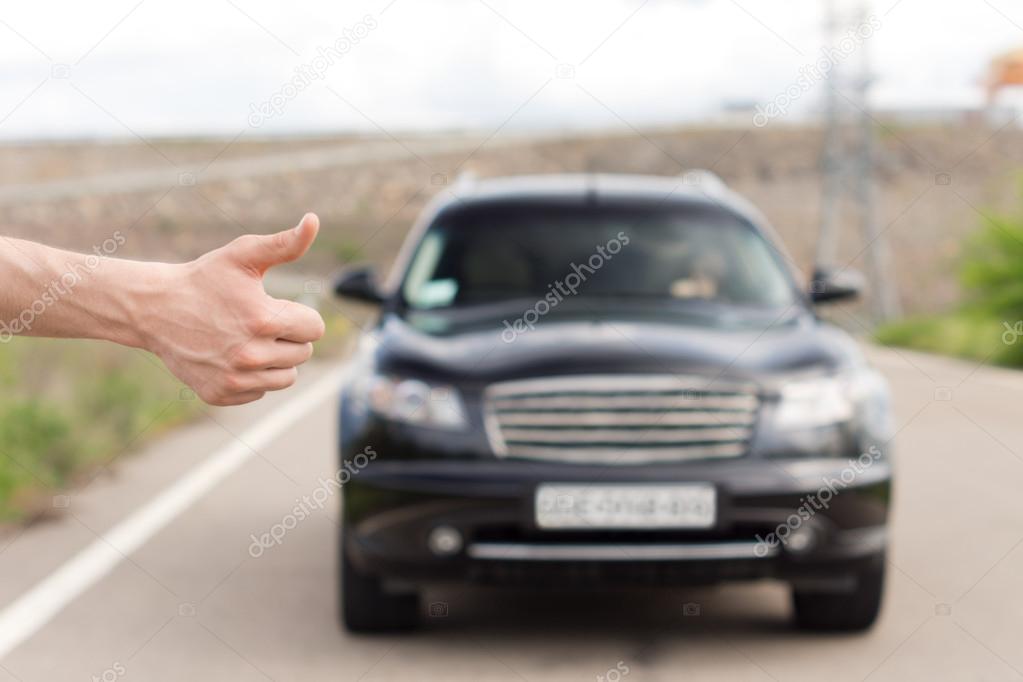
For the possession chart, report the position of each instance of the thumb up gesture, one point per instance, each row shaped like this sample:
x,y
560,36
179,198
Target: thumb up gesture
x,y
215,327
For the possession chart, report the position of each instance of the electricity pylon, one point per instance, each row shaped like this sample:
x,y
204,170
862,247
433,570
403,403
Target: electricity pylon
x,y
849,161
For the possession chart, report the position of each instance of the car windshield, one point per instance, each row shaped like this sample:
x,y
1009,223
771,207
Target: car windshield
x,y
490,254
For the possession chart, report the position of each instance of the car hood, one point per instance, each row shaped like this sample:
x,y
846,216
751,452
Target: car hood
x,y
455,352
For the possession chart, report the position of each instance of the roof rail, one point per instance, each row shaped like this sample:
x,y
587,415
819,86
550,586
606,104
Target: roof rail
x,y
708,181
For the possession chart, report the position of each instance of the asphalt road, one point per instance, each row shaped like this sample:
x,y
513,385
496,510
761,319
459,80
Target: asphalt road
x,y
189,602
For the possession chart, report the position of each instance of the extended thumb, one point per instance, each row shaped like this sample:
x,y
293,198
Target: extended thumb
x,y
262,252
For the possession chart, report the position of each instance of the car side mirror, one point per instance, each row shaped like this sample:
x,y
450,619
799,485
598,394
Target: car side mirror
x,y
832,284
359,284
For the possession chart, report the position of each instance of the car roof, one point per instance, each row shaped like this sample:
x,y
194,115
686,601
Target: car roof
x,y
700,187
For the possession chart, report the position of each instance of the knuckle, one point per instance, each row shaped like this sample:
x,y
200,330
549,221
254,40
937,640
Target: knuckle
x,y
280,379
279,241
259,322
209,396
232,383
247,358
244,243
217,398
283,379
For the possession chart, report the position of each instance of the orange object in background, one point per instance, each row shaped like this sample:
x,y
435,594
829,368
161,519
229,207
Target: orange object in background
x,y
1005,70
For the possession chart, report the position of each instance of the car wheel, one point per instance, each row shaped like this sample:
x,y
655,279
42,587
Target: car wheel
x,y
367,607
847,611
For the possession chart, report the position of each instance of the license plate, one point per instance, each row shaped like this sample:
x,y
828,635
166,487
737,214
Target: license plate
x,y
597,507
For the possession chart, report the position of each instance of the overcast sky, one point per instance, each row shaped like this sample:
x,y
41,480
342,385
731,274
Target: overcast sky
x,y
156,67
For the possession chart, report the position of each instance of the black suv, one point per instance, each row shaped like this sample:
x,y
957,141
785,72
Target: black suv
x,y
590,378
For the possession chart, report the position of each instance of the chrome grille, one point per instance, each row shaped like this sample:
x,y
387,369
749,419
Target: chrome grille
x,y
621,419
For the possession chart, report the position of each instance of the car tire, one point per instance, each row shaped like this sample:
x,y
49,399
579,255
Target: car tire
x,y
848,611
367,607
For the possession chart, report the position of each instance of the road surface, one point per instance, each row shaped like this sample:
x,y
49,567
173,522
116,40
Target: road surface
x,y
190,602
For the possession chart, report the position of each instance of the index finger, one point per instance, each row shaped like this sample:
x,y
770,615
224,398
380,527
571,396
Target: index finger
x,y
298,323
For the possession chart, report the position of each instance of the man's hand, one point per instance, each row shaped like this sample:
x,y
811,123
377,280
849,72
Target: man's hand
x,y
210,320
218,331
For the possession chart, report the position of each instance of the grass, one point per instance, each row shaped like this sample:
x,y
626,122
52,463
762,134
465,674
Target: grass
x,y
339,328
988,326
69,407
964,334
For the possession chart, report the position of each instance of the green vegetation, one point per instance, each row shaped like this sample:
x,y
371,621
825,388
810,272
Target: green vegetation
x,y
338,329
69,407
342,249
989,325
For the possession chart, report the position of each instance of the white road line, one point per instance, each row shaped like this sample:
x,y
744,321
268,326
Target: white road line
x,y
30,612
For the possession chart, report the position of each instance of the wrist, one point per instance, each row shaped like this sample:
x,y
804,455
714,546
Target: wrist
x,y
138,291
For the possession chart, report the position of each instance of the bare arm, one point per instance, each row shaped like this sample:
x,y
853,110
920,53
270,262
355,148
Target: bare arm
x,y
209,320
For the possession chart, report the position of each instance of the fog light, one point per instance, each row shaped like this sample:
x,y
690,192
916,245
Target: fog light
x,y
801,540
444,541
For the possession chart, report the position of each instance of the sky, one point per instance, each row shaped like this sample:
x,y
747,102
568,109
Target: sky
x,y
157,67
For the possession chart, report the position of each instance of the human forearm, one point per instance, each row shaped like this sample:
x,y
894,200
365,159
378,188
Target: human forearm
x,y
51,292
209,320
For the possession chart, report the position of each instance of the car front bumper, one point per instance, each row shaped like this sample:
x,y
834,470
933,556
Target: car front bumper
x,y
392,507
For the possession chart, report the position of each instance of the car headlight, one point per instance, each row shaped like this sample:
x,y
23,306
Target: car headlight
x,y
860,394
416,402
808,403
